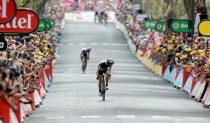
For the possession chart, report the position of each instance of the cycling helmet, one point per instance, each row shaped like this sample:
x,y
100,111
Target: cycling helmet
x,y
110,61
84,49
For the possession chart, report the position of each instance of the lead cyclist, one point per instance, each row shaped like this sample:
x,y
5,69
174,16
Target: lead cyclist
x,y
104,67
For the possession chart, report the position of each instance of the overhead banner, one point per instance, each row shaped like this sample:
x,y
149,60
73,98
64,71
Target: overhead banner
x,y
150,24
87,16
204,28
160,26
25,21
181,26
7,10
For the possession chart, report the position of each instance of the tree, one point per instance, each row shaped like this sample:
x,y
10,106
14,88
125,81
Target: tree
x,y
189,6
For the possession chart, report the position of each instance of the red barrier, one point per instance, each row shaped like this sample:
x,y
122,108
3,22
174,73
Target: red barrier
x,y
31,95
164,66
186,74
42,78
50,71
5,111
47,71
177,73
193,84
18,113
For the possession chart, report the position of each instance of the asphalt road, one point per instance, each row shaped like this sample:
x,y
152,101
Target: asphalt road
x,y
136,95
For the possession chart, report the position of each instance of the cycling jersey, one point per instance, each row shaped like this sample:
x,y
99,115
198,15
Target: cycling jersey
x,y
84,54
102,68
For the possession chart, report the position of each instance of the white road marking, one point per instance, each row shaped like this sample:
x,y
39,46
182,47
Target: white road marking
x,y
82,44
119,44
105,44
54,117
161,117
196,118
94,44
90,117
125,116
71,44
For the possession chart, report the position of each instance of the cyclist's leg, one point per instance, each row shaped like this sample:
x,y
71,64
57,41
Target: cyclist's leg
x,y
107,80
105,19
99,19
99,77
108,76
99,85
103,84
95,19
85,64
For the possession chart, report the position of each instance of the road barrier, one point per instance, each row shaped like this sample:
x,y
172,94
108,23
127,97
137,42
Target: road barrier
x,y
37,97
180,77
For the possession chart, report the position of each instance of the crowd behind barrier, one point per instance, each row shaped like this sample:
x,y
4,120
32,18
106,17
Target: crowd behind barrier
x,y
25,74
26,71
184,62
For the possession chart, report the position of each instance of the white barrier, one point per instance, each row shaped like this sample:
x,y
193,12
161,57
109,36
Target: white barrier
x,y
87,16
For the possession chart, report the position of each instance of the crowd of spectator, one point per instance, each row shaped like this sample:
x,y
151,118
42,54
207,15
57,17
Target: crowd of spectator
x,y
21,63
176,50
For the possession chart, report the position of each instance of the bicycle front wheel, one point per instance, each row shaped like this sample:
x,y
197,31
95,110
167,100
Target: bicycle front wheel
x,y
103,89
104,95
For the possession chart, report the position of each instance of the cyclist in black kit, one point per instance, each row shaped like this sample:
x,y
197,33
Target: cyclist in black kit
x,y
104,68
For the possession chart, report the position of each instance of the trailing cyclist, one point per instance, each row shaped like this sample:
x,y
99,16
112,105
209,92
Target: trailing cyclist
x,y
84,57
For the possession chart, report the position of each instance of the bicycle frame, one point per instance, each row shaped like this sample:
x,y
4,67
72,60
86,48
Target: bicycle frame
x,y
102,85
84,64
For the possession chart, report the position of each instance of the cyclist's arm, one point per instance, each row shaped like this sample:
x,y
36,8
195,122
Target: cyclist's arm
x,y
88,56
97,74
81,56
109,70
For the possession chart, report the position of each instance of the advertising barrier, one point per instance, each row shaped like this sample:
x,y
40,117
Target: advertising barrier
x,y
37,97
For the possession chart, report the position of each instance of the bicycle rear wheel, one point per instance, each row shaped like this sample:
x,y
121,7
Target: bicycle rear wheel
x,y
84,66
103,90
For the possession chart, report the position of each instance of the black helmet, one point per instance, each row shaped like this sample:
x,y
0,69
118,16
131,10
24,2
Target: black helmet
x,y
110,61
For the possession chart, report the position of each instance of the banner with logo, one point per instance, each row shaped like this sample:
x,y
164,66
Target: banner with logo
x,y
204,28
150,24
7,10
181,26
160,26
45,25
13,20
